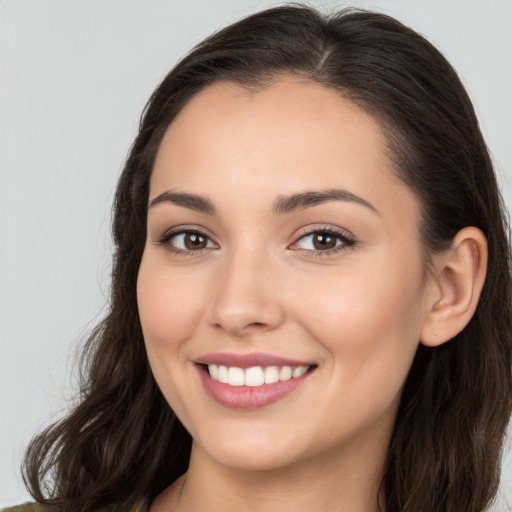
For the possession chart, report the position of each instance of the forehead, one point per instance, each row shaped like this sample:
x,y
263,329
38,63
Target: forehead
x,y
281,138
285,113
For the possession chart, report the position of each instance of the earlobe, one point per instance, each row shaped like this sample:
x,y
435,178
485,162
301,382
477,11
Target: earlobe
x,y
456,284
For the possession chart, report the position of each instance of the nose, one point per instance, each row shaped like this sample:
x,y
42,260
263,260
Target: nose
x,y
246,298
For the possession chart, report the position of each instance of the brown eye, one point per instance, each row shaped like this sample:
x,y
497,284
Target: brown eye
x,y
194,241
324,241
187,241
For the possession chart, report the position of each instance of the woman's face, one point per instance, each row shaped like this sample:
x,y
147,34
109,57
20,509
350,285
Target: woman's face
x,y
280,241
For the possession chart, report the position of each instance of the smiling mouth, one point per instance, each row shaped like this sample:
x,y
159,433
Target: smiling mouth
x,y
252,380
256,375
251,387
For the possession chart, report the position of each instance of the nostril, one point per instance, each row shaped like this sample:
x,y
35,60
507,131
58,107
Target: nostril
x,y
240,330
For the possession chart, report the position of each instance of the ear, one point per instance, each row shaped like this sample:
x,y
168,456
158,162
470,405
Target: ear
x,y
456,281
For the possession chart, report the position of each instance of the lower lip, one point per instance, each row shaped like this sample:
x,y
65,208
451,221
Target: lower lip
x,y
248,397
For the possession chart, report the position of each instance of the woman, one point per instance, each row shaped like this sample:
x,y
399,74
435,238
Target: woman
x,y
311,288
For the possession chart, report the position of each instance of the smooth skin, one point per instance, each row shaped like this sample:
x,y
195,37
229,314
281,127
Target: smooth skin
x,y
240,277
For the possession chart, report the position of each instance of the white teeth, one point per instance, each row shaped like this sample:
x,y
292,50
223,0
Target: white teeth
x,y
285,373
235,376
223,374
254,376
213,369
271,374
301,370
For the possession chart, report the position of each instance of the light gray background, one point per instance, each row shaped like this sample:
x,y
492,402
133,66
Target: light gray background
x,y
74,76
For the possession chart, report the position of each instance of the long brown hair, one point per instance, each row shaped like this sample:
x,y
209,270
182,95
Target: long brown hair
x,y
122,444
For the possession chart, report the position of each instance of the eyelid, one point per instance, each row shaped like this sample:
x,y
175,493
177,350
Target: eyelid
x,y
348,240
164,239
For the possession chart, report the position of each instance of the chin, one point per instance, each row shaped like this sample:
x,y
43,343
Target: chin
x,y
250,453
249,460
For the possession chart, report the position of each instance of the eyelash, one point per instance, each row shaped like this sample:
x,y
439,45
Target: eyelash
x,y
164,241
347,241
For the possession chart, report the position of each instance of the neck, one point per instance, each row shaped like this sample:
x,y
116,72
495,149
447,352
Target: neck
x,y
336,482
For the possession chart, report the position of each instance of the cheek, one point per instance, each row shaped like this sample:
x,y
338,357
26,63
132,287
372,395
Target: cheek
x,y
368,320
169,310
169,306
374,314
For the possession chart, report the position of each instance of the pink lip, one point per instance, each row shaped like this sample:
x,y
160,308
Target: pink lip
x,y
249,360
249,397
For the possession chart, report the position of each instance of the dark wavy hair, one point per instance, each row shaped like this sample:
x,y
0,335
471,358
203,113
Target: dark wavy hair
x,y
122,444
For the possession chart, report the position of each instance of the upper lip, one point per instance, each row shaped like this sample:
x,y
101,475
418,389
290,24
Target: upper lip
x,y
249,360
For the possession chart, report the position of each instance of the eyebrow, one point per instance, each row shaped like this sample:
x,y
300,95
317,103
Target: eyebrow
x,y
191,201
282,205
303,200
